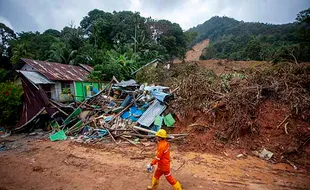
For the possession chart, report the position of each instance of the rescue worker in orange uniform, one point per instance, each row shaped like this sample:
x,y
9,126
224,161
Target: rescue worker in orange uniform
x,y
162,160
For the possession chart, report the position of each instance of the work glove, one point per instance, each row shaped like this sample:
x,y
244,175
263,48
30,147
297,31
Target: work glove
x,y
149,168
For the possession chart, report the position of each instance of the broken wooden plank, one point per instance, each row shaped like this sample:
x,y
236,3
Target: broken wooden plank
x,y
127,107
177,88
145,130
109,133
58,108
111,84
139,135
150,131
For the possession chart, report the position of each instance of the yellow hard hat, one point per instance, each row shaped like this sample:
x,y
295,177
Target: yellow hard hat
x,y
161,133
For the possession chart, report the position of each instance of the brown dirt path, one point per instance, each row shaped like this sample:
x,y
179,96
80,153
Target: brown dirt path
x,y
45,165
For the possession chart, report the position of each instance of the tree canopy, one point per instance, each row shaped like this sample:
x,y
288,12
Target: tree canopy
x,y
239,40
119,42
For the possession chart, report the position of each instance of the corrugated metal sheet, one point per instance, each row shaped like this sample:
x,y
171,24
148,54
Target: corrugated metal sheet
x,y
35,102
35,77
150,114
127,83
87,67
57,71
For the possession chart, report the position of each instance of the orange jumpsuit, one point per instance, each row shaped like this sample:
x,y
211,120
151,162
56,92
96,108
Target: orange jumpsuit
x,y
162,160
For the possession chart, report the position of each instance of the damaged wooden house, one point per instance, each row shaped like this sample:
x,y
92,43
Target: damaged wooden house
x,y
46,84
60,82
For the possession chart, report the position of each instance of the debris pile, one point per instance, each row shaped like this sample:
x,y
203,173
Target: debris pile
x,y
247,108
234,99
123,111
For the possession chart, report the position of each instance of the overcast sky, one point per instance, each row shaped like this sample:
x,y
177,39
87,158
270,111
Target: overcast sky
x,y
39,15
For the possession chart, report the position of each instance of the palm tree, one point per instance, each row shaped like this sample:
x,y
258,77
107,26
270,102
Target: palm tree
x,y
20,51
60,53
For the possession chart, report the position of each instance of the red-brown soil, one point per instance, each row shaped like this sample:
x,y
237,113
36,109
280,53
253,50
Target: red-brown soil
x,y
37,164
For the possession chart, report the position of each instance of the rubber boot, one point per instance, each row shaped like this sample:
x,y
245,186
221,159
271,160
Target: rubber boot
x,y
177,186
155,183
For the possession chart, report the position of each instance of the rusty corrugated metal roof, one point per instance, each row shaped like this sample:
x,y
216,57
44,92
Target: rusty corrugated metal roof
x,y
35,77
87,67
58,71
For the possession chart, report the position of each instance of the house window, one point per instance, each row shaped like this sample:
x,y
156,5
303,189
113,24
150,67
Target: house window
x,y
47,90
65,88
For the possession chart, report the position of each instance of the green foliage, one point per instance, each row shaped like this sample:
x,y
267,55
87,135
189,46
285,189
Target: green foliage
x,y
65,90
304,16
116,43
6,34
253,49
226,78
190,37
20,51
3,75
105,72
31,45
151,74
208,53
72,37
10,100
61,53
238,40
125,41
169,35
303,19
126,61
52,32
121,65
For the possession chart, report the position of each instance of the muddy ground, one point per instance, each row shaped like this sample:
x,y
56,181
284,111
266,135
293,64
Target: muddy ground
x,y
33,163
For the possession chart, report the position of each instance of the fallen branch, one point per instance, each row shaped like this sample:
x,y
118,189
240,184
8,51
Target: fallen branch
x,y
138,158
129,141
283,121
197,124
180,167
285,128
219,93
177,88
291,163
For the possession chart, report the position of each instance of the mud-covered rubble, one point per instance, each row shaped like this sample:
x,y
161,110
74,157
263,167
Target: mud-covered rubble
x,y
123,112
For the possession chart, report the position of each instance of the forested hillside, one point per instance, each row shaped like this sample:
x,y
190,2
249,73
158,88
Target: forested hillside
x,y
118,43
239,40
114,43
